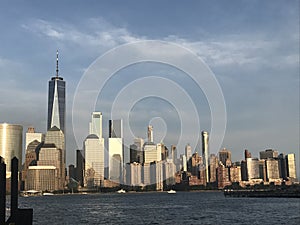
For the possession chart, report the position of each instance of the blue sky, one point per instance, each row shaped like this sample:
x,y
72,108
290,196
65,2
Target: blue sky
x,y
252,47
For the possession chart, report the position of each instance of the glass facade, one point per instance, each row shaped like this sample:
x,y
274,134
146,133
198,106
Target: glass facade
x,y
115,129
56,103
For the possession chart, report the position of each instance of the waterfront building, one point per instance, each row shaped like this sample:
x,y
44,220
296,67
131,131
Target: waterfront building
x,y
56,136
244,171
94,161
115,149
11,136
146,174
80,167
262,170
42,178
252,168
50,155
134,174
56,101
31,157
225,157
150,152
269,153
223,176
272,169
31,135
72,172
136,151
205,153
235,173
282,166
213,165
195,162
156,173
169,170
291,166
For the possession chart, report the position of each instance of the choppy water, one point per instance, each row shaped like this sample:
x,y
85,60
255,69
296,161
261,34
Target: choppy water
x,y
161,208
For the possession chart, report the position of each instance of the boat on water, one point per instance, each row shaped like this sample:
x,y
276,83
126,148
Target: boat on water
x,y
172,191
47,194
121,191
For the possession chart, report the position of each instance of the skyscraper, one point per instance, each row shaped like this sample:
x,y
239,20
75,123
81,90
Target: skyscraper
x,y
225,157
205,153
96,124
115,149
115,129
10,144
291,166
94,161
56,101
94,153
188,151
269,153
150,133
31,135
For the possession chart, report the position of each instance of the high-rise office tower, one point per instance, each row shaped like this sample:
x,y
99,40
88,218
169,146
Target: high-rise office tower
x,y
213,165
136,151
282,166
51,155
115,149
247,154
94,161
291,166
115,129
150,152
94,153
188,151
252,168
56,101
31,136
272,169
174,153
80,166
225,157
269,153
10,144
96,124
150,133
205,153
55,136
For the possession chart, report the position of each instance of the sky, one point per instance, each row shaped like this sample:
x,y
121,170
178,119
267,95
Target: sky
x,y
251,48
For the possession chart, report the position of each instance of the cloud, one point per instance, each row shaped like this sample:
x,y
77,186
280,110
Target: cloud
x,y
99,33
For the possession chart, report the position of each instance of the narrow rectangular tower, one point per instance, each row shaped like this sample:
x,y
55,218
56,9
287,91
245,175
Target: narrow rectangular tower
x,y
56,101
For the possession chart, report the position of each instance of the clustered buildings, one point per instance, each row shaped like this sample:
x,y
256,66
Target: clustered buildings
x,y
151,166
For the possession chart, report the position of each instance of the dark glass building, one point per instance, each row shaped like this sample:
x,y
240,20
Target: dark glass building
x,y
115,129
56,101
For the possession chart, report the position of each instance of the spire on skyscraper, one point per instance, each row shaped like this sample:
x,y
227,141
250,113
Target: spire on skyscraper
x,y
56,63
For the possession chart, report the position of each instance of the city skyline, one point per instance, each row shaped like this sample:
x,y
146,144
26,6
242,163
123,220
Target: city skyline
x,y
256,66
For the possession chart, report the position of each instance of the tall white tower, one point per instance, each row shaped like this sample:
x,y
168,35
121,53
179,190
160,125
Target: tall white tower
x,y
205,153
96,124
116,151
150,133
